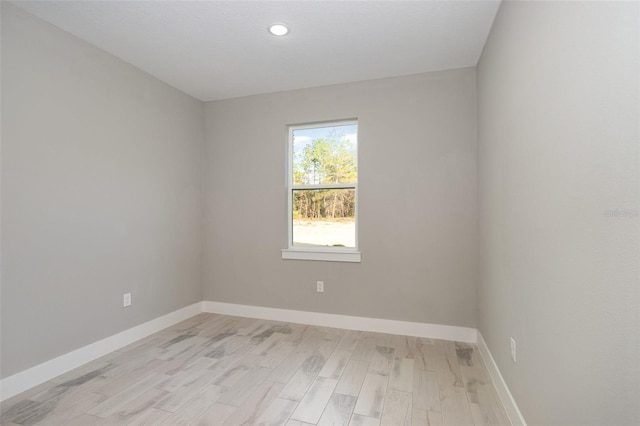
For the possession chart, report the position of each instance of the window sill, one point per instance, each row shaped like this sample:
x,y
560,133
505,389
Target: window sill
x,y
322,255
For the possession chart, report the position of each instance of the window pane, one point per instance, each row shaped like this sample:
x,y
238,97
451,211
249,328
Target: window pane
x,y
325,155
324,217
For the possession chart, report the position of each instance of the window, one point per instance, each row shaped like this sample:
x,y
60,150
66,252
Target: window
x,y
323,192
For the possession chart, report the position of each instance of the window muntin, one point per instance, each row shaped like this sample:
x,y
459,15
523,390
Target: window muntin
x,y
323,177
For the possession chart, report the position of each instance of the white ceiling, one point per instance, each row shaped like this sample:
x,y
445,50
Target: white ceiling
x,y
221,49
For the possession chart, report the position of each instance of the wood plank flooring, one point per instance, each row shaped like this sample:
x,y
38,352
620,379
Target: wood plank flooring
x,y
223,370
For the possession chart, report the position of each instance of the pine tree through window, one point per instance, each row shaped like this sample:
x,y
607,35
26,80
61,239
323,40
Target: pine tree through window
x,y
323,184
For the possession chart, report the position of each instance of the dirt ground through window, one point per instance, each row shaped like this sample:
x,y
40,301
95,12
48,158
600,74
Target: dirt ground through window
x,y
324,232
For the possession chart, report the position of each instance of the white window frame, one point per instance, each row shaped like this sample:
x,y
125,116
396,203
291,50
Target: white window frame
x,y
322,253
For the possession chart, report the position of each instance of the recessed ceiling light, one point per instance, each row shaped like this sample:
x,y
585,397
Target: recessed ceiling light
x,y
278,29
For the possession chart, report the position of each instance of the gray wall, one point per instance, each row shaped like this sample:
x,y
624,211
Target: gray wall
x,y
417,200
558,147
101,194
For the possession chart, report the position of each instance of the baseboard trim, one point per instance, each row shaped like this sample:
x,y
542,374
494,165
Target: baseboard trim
x,y
27,379
434,331
24,380
510,406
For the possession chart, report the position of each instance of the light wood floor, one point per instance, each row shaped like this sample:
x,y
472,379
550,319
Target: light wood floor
x,y
223,370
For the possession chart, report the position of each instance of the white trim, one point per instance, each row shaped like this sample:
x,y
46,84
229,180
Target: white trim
x,y
328,256
434,331
27,379
326,186
510,406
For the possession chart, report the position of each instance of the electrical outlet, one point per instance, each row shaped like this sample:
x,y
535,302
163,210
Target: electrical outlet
x,y
320,286
126,300
513,349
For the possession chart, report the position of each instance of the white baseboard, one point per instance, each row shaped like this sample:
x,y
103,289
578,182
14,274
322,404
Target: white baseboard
x,y
510,406
434,331
27,379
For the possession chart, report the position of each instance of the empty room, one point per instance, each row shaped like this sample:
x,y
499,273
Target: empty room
x,y
320,212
